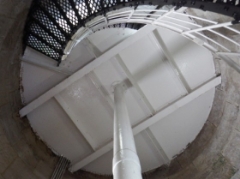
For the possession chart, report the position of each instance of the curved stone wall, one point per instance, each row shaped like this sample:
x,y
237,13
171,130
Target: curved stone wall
x,y
22,155
214,154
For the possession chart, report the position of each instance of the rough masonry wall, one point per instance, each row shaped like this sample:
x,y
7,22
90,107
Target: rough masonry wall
x,y
214,154
22,156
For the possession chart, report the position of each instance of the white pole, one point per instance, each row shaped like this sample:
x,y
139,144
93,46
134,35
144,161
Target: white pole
x,y
126,164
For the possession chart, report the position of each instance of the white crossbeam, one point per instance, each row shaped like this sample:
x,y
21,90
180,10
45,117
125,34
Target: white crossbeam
x,y
225,37
151,121
170,58
213,41
195,17
75,120
104,93
45,66
175,24
92,48
208,27
135,84
86,69
164,15
184,21
157,145
130,15
232,29
228,54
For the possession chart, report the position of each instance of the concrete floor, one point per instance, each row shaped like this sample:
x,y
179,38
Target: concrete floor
x,y
214,154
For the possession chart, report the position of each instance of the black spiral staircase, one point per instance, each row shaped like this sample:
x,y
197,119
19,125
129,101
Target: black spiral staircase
x,y
52,23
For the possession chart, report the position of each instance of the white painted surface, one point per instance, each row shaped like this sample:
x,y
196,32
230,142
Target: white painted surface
x,y
126,163
176,130
55,128
86,69
88,110
37,80
147,152
148,155
149,67
110,72
105,161
106,41
151,121
82,119
187,58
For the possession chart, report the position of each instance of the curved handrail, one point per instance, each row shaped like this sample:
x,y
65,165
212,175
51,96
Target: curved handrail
x,y
52,24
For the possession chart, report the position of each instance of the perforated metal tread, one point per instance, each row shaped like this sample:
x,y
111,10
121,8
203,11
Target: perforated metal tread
x,y
51,23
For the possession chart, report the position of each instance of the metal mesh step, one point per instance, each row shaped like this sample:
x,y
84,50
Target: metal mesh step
x,y
52,23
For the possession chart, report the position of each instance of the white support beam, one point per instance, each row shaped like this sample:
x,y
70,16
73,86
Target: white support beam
x,y
208,27
104,93
147,104
47,67
170,27
211,40
229,54
130,15
225,37
232,29
86,69
36,58
151,121
92,48
106,20
202,42
76,121
176,105
93,77
175,24
170,58
165,15
184,21
195,17
157,146
135,85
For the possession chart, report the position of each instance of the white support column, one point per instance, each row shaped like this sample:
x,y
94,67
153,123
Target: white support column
x,y
126,164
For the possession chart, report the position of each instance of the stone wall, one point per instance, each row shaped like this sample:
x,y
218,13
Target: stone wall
x,y
214,154
22,155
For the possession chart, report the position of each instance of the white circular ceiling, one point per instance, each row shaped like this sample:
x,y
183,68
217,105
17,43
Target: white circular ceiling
x,y
170,93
